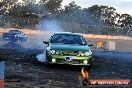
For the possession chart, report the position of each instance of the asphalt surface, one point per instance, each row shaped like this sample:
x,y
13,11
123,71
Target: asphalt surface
x,y
24,71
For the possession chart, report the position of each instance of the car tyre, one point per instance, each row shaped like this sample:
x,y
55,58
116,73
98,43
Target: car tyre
x,y
46,60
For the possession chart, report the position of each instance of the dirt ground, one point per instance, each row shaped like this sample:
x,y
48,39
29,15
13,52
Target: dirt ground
x,y
24,71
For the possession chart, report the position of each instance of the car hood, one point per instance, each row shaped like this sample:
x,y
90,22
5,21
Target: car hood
x,y
71,47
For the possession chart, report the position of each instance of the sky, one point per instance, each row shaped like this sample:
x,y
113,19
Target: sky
x,y
121,6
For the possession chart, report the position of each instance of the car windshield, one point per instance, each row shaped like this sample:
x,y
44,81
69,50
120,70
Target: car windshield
x,y
68,39
15,31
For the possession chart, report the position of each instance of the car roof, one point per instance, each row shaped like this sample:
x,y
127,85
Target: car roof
x,y
15,30
68,33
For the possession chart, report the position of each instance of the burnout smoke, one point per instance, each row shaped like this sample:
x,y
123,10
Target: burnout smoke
x,y
41,57
50,25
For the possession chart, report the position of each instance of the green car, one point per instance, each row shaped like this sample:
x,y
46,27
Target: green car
x,y
68,48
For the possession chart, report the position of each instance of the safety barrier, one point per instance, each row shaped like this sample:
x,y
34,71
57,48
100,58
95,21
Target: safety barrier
x,y
2,66
107,37
38,32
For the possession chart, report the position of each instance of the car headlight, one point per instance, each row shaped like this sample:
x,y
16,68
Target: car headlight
x,y
52,51
85,62
85,53
53,60
82,54
57,52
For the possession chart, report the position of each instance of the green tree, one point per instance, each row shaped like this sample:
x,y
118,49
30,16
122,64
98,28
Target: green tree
x,y
53,6
125,22
29,9
71,12
105,16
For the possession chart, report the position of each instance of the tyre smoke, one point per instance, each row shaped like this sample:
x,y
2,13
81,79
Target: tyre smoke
x,y
50,25
41,57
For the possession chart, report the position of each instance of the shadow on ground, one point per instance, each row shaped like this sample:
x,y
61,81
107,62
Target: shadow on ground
x,y
12,45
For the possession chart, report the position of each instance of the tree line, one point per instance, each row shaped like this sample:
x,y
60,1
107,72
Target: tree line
x,y
96,19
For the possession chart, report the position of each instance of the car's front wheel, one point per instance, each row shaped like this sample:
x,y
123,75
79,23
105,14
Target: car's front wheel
x,y
46,59
89,67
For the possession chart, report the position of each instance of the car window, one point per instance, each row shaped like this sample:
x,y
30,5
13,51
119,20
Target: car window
x,y
68,39
15,31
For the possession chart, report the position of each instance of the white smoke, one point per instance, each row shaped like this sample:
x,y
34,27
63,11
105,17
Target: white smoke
x,y
41,57
50,25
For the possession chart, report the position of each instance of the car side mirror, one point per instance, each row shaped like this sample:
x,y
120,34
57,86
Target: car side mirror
x,y
45,42
90,44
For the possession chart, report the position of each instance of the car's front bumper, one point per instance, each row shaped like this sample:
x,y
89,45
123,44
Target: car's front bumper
x,y
22,39
78,60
